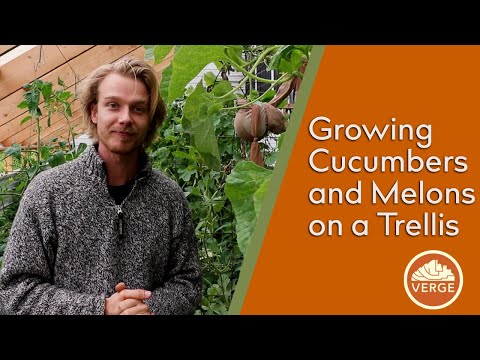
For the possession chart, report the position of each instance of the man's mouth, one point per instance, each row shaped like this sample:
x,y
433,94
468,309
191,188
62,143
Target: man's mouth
x,y
124,133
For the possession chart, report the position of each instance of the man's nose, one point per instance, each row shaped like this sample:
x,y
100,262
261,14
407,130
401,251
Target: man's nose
x,y
124,115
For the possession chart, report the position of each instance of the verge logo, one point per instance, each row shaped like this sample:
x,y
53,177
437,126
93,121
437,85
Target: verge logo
x,y
433,279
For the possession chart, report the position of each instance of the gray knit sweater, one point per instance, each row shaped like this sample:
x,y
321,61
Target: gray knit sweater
x,y
70,244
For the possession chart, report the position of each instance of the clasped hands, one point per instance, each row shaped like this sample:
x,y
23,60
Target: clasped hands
x,y
127,301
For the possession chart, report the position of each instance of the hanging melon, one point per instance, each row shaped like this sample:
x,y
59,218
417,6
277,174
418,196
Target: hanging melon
x,y
269,118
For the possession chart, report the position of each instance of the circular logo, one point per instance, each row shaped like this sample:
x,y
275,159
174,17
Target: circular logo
x,y
433,279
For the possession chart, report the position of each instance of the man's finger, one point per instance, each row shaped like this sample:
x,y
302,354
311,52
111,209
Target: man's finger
x,y
120,286
138,294
140,309
127,304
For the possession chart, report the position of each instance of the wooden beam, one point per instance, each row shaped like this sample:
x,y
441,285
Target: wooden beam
x,y
14,52
139,53
30,65
8,163
71,51
84,64
5,48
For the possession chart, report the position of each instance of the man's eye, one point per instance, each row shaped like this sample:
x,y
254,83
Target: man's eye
x,y
139,109
112,105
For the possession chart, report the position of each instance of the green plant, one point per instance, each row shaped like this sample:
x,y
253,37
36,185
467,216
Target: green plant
x,y
215,95
211,210
30,161
198,148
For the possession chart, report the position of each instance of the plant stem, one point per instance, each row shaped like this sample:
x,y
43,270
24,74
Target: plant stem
x,y
284,78
259,60
39,145
70,130
11,194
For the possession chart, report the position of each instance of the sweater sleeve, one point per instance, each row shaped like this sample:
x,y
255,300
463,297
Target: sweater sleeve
x,y
25,279
180,293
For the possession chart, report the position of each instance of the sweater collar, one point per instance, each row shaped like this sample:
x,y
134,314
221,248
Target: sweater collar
x,y
95,165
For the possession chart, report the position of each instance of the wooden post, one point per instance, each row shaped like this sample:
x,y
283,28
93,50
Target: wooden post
x,y
8,164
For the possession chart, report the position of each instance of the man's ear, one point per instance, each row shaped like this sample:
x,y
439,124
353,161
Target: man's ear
x,y
94,113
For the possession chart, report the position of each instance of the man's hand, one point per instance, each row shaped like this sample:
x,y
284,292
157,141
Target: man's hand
x,y
127,302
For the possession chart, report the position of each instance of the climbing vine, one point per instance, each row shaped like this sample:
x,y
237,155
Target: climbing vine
x,y
199,147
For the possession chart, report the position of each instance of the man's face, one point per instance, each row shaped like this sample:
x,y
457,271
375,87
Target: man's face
x,y
121,114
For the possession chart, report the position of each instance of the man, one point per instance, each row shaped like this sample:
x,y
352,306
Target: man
x,y
105,233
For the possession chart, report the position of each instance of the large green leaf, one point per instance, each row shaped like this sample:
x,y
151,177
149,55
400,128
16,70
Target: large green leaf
x,y
165,81
289,58
246,187
223,87
235,53
260,195
57,158
14,150
209,79
160,51
148,52
156,52
198,120
188,61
